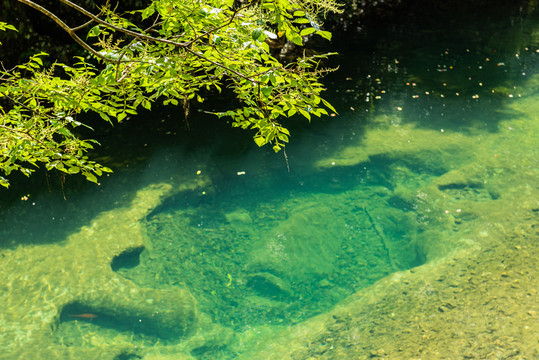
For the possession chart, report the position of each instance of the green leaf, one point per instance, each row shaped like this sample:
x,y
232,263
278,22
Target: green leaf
x,y
4,182
305,114
283,137
146,104
256,33
95,31
260,141
325,102
90,177
266,90
149,11
37,59
307,31
273,79
73,170
324,34
105,117
295,38
65,132
302,21
5,26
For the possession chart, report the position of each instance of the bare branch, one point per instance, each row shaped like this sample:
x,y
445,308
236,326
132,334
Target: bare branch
x,y
77,28
64,26
118,28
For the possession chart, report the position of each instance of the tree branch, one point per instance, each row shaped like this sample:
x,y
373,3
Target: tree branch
x,y
10,129
67,29
118,28
77,28
132,33
234,13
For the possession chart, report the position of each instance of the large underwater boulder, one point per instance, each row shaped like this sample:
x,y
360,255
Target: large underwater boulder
x,y
302,247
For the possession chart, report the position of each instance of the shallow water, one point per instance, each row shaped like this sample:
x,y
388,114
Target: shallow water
x,y
265,241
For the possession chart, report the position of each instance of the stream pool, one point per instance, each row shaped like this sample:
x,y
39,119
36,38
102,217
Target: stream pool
x,y
203,246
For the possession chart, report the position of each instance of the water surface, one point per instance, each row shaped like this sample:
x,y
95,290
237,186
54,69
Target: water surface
x,y
263,241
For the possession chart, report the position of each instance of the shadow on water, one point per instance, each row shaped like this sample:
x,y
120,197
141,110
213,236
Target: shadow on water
x,y
396,63
77,320
59,206
41,211
127,260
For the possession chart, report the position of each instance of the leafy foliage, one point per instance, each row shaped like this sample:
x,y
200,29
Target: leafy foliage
x,y
169,51
4,27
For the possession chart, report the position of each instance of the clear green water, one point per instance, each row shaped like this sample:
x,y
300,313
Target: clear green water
x,y
267,241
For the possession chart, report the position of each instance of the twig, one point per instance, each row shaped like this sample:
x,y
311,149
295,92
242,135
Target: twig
x,y
66,28
77,28
286,159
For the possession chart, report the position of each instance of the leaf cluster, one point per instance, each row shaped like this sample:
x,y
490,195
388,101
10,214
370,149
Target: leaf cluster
x,y
37,125
169,52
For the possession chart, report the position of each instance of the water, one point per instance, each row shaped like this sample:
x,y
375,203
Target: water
x,y
212,247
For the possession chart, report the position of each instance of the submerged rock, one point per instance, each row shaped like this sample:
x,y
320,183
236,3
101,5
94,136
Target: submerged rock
x,y
269,285
239,219
304,246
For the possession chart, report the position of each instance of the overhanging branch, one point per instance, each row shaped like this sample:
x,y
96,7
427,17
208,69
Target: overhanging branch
x,y
135,34
64,26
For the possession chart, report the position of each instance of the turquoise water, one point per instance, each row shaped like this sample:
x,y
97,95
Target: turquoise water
x,y
264,241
